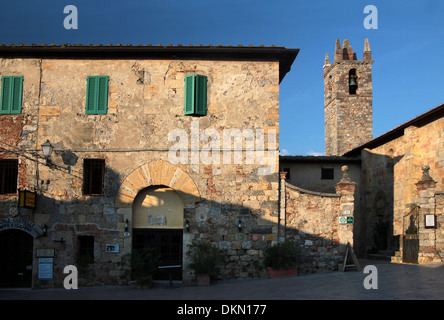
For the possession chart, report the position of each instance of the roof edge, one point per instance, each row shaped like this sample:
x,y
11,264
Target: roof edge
x,y
421,120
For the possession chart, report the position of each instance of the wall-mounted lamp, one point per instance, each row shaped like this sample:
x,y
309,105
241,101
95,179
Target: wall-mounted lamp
x,y
239,225
187,225
45,230
126,225
47,151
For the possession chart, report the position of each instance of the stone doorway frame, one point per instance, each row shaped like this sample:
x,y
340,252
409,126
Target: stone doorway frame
x,y
158,173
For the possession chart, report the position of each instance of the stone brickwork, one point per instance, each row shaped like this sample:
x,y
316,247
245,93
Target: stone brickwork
x,y
145,102
390,173
348,117
429,250
313,219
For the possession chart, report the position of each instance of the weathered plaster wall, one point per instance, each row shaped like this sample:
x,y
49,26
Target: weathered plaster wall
x,y
145,103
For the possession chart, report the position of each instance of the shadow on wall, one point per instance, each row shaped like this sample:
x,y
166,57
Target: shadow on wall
x,y
91,225
381,223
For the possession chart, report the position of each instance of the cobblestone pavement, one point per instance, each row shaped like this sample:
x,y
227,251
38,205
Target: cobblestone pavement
x,y
394,281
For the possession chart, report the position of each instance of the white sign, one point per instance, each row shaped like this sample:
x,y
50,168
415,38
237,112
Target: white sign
x,y
112,248
45,268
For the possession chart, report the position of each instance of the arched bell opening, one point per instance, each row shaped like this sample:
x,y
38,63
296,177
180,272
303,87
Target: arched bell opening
x,y
352,81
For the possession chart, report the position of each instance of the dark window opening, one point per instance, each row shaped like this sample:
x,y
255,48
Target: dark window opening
x,y
93,176
86,249
327,174
8,176
352,81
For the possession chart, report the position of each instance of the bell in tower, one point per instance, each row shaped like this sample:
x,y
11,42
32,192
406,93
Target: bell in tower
x,y
348,99
352,81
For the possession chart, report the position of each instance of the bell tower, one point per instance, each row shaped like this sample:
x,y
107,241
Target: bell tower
x,y
347,99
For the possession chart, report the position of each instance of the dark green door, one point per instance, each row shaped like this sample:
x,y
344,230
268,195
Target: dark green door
x,y
15,258
167,244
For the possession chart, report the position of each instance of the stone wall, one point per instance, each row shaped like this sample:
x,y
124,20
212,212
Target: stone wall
x,y
389,176
145,103
348,117
313,220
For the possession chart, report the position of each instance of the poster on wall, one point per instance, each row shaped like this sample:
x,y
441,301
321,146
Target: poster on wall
x,y
46,268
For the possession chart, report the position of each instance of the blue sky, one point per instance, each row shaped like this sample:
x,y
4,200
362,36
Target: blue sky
x,y
407,47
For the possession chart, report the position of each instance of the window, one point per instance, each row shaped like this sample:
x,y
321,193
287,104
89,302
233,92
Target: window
x,y
86,249
96,95
352,81
195,95
327,174
8,176
11,95
93,176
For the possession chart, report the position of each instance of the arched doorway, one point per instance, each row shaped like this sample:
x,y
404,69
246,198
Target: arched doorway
x,y
155,174
157,223
15,258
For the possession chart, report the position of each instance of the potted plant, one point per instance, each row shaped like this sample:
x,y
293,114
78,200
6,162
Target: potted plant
x,y
205,260
143,265
281,259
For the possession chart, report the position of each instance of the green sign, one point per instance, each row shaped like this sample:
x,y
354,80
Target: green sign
x,y
346,220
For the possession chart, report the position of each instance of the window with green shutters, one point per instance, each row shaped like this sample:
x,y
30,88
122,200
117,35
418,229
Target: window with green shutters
x,y
11,95
195,95
96,94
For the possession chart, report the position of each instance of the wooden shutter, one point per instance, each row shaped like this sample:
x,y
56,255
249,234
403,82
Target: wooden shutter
x,y
91,87
16,103
189,94
6,88
96,95
102,99
11,95
201,95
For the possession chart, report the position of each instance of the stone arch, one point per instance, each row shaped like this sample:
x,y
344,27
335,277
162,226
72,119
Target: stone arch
x,y
21,224
158,172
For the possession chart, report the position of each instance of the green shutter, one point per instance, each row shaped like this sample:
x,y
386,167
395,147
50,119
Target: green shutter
x,y
96,95
201,95
195,95
90,94
102,99
16,105
11,95
6,87
189,94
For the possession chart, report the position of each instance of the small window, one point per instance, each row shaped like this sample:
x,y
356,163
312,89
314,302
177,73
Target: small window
x,y
86,249
11,95
352,81
93,176
96,95
327,174
195,95
8,176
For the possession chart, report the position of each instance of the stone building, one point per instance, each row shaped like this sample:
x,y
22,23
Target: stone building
x,y
348,97
402,182
398,213
137,157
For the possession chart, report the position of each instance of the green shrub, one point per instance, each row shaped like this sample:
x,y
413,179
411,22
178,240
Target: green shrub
x,y
144,264
282,255
205,258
